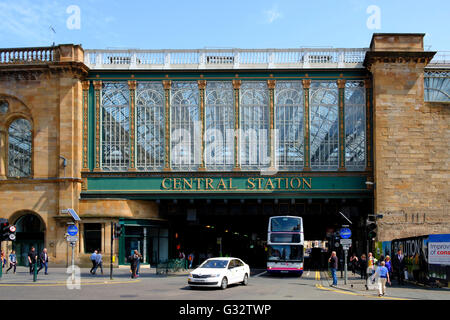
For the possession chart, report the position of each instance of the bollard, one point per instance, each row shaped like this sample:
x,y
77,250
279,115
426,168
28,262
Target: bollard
x,y
35,271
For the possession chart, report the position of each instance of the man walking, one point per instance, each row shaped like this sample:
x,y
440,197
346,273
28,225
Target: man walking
x,y
333,266
98,262
94,261
12,261
398,263
383,276
32,257
44,261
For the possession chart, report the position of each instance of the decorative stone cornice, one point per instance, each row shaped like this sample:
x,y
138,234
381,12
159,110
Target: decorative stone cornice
x,y
397,57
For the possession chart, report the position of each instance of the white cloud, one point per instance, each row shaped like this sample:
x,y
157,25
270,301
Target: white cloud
x,y
273,14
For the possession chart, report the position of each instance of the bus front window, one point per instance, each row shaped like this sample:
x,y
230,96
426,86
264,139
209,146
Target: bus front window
x,y
285,253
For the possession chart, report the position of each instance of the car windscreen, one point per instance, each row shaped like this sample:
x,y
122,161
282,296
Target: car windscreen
x,y
285,253
215,264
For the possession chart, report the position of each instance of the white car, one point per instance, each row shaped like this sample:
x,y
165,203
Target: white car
x,y
220,272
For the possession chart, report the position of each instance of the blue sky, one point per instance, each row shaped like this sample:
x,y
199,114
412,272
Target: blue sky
x,y
239,24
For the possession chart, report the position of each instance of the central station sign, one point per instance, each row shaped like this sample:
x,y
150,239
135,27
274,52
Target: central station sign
x,y
217,184
291,183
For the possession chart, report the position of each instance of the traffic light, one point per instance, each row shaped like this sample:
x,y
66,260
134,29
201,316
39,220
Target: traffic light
x,y
8,232
371,229
117,230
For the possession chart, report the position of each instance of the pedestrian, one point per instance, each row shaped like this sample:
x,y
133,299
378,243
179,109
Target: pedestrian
x,y
191,259
98,262
371,261
43,259
333,261
382,273
94,261
12,261
388,264
32,258
133,263
398,265
2,257
363,268
354,263
138,263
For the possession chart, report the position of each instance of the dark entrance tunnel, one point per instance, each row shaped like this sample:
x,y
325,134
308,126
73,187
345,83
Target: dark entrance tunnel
x,y
239,227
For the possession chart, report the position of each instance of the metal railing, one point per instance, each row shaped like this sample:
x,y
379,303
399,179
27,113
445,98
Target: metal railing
x,y
225,58
440,59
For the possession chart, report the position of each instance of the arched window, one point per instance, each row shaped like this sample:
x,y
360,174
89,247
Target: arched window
x,y
19,148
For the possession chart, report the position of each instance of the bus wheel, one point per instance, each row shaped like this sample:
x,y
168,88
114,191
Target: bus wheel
x,y
224,284
245,281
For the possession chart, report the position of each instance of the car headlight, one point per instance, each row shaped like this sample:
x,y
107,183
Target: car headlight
x,y
216,275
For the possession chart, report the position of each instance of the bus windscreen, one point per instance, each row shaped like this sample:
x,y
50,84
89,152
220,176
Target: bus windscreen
x,y
285,224
285,237
285,253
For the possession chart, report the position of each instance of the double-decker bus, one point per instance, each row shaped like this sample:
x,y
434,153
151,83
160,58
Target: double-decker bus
x,y
285,243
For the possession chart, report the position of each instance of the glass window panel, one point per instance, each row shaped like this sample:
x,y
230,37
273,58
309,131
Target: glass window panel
x,y
437,85
185,126
19,148
115,126
254,126
355,125
289,125
219,125
92,237
324,129
150,125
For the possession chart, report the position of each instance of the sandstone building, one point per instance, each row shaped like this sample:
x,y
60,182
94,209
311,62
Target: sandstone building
x,y
193,150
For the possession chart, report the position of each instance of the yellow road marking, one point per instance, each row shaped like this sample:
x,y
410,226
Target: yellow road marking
x,y
319,286
59,284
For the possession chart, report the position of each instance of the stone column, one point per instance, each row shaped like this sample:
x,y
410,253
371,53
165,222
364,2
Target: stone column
x,y
405,174
167,86
237,88
3,153
306,86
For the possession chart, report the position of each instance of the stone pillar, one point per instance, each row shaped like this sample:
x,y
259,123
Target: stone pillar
x,y
237,88
403,164
3,153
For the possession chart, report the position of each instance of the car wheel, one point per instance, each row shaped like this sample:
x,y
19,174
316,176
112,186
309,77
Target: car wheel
x,y
245,281
224,283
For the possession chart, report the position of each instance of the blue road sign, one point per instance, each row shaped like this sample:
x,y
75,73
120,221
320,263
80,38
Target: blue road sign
x,y
72,230
345,233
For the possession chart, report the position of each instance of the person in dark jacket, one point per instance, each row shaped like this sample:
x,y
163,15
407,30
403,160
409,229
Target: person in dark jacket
x,y
43,259
32,257
134,258
363,266
398,265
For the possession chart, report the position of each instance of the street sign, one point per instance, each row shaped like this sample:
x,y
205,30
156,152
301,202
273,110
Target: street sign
x,y
72,230
72,238
346,242
345,233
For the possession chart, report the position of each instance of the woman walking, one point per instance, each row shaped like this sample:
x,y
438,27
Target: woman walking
x,y
363,266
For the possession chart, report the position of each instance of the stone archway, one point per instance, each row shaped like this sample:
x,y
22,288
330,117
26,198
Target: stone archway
x,y
30,232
